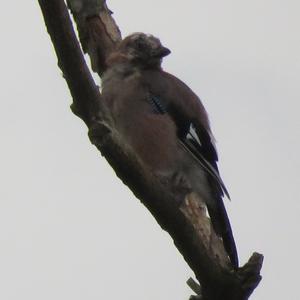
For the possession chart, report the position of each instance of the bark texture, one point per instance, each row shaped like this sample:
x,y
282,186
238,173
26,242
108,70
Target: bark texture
x,y
192,232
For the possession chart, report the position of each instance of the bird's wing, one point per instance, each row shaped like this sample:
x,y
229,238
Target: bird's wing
x,y
190,141
167,94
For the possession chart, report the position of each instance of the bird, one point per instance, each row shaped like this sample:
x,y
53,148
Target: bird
x,y
166,125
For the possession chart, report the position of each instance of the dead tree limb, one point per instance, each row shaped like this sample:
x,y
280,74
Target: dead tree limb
x,y
195,240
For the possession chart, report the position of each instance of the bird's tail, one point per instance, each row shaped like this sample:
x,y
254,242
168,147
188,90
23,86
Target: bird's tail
x,y
221,225
215,206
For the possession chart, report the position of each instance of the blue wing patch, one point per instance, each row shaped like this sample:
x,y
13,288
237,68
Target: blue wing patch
x,y
157,105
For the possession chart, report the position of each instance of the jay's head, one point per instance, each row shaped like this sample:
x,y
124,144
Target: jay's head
x,y
142,50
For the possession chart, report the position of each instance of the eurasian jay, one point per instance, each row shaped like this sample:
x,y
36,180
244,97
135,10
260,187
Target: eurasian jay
x,y
166,124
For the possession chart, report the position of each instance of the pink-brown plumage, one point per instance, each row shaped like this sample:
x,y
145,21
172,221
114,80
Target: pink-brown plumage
x,y
155,113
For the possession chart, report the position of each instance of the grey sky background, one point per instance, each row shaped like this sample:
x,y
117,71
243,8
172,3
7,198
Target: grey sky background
x,y
69,229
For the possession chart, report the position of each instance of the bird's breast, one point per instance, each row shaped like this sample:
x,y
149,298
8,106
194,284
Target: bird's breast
x,y
152,135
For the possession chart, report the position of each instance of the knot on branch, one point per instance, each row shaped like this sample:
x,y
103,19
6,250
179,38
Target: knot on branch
x,y
99,133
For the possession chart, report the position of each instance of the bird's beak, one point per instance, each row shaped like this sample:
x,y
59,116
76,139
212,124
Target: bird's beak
x,y
161,52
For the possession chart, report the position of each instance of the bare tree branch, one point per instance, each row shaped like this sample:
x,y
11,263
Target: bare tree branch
x,y
191,232
98,32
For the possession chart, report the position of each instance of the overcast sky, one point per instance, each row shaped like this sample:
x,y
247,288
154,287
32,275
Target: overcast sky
x,y
70,230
